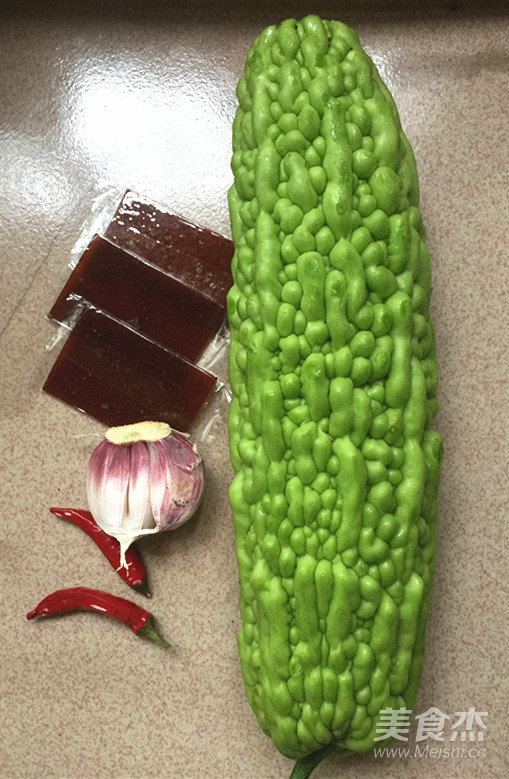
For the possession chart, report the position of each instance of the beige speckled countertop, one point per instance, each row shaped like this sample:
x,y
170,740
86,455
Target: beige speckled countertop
x,y
100,96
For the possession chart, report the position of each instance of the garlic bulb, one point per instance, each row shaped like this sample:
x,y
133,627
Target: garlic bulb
x,y
142,479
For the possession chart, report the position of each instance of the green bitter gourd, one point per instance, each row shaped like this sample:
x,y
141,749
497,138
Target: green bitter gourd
x,y
334,376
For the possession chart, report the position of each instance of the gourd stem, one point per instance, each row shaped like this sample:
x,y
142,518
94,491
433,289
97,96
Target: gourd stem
x,y
305,766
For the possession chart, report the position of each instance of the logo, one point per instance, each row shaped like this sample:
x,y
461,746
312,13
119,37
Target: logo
x,y
437,734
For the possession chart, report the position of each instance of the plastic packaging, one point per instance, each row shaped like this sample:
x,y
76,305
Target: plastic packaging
x,y
142,330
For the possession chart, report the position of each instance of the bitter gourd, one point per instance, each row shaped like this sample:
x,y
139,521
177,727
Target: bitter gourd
x,y
334,375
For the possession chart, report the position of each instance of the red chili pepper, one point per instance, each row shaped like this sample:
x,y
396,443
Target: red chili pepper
x,y
138,619
133,572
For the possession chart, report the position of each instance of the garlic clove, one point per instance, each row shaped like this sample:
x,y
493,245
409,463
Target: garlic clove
x,y
161,482
177,481
107,485
138,514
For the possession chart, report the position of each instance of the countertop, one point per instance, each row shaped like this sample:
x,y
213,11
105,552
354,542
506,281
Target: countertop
x,y
99,96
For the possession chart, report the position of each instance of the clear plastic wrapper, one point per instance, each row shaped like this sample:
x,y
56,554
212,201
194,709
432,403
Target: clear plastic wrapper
x,y
141,336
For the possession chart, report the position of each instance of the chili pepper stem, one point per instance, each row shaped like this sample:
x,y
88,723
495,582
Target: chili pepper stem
x,y
143,588
124,565
149,631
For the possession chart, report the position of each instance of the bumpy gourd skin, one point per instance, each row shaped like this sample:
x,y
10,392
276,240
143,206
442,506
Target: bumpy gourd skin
x,y
333,373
